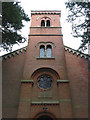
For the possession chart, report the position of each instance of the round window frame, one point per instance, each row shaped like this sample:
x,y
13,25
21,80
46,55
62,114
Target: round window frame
x,y
43,88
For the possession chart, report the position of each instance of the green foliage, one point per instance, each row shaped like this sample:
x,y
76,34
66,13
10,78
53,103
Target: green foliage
x,y
78,15
13,16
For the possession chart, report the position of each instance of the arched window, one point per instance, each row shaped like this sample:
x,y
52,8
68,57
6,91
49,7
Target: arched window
x,y
42,23
48,23
42,51
49,51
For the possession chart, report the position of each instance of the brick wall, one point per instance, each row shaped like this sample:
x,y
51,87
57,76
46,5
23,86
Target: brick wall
x,y
77,68
12,69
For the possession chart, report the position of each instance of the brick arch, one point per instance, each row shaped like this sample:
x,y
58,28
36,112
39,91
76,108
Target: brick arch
x,y
45,43
47,16
40,114
45,70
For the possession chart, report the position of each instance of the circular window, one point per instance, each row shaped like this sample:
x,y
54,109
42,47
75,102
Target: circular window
x,y
45,82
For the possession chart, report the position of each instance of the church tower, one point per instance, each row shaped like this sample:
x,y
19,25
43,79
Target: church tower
x,y
45,91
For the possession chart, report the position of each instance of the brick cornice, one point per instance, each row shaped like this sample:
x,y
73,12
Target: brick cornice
x,y
45,35
77,53
16,52
35,12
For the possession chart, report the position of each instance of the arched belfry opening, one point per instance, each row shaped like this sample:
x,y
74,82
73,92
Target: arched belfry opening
x,y
45,22
42,23
48,23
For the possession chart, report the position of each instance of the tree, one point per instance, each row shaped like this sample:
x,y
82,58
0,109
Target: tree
x,y
13,16
78,15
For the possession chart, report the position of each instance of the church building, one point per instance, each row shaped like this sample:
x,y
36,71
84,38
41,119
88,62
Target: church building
x,y
45,80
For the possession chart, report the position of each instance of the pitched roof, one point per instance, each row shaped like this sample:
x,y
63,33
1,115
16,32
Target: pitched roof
x,y
75,52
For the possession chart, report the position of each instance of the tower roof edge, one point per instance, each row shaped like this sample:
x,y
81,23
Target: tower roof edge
x,y
45,12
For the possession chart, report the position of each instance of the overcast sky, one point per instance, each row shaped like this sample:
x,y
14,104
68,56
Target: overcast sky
x,y
29,5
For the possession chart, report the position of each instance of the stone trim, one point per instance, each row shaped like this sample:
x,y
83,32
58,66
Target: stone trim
x,y
45,58
27,81
63,81
50,102
45,35
45,102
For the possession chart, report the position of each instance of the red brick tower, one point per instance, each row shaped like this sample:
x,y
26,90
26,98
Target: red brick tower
x,y
45,86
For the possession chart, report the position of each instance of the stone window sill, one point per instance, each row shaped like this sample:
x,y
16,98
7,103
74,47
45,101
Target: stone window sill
x,y
45,58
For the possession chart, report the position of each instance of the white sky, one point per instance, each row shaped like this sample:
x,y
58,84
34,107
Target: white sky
x,y
29,5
